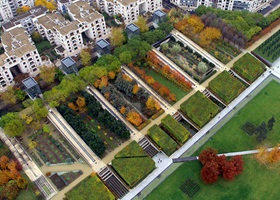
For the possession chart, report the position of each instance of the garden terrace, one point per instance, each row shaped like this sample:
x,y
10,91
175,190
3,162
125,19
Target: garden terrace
x,y
199,109
191,62
248,67
256,178
270,49
133,164
226,87
175,129
162,140
90,188
164,87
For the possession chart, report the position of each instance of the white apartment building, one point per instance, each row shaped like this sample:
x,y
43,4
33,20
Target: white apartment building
x,y
250,5
128,9
91,22
20,56
8,8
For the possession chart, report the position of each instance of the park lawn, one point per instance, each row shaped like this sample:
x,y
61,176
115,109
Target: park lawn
x,y
90,188
172,87
226,87
131,150
248,67
162,139
177,130
133,170
256,182
199,109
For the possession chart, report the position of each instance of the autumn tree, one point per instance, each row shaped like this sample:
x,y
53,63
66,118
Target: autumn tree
x,y
23,9
47,74
50,5
81,103
122,110
208,35
181,25
134,117
9,96
103,82
135,89
85,57
111,75
210,172
36,37
142,24
151,104
117,37
195,25
208,155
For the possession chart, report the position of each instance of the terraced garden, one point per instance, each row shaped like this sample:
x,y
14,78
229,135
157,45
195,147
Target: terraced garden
x,y
90,188
162,140
226,87
199,109
248,67
133,164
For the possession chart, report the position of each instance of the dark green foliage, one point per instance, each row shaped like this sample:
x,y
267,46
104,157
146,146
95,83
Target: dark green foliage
x,y
262,130
249,128
270,123
190,188
104,117
90,138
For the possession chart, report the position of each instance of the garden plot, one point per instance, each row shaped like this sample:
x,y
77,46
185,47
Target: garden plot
x,y
191,62
62,179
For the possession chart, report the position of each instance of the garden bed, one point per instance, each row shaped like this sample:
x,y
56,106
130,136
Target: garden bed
x,y
199,109
133,164
62,179
248,67
188,60
176,130
90,188
162,140
226,87
270,49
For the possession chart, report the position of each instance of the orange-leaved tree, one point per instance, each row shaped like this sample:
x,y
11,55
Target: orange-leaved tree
x,y
134,118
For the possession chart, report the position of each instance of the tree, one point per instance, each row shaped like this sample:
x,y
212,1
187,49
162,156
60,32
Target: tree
x,y
50,5
103,82
208,35
270,123
81,103
202,67
36,37
111,75
134,117
9,96
164,46
12,124
125,57
142,24
135,89
32,144
85,57
208,155
47,74
23,9
238,163
195,25
229,170
21,182
176,49
117,37
210,172
151,104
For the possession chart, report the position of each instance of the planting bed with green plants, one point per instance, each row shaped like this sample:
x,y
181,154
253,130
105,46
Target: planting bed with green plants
x,y
133,164
162,139
248,67
199,109
226,87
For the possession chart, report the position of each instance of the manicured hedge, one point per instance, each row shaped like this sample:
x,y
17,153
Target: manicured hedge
x,y
248,67
90,188
131,150
175,129
226,87
199,109
162,139
133,170
133,164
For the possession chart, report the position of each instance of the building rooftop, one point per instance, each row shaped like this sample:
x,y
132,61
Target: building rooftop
x,y
102,43
159,13
29,82
132,27
126,2
68,61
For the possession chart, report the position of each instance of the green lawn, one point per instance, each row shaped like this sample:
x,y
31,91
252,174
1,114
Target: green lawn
x,y
26,195
162,139
248,67
226,87
43,45
178,131
199,109
172,87
133,164
90,188
257,181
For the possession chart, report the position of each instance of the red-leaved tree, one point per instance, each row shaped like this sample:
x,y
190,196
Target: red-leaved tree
x,y
208,155
210,172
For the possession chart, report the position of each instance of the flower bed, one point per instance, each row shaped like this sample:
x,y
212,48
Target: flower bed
x,y
162,140
199,109
248,67
133,164
90,188
226,87
179,132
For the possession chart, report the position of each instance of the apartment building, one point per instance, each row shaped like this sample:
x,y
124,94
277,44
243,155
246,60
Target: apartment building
x,y
90,22
128,9
20,56
250,5
8,8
